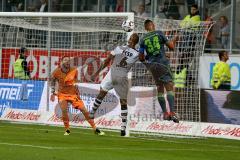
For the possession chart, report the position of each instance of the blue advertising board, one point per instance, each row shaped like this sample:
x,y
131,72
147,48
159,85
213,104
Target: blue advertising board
x,y
12,91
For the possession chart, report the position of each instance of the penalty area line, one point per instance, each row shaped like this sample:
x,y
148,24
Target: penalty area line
x,y
114,148
228,147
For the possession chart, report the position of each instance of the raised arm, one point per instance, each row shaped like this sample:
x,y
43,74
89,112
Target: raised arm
x,y
103,65
141,56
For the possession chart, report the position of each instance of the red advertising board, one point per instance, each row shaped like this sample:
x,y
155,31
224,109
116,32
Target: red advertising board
x,y
38,62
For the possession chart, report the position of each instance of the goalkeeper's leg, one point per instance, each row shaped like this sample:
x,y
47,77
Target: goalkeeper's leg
x,y
78,104
64,107
98,102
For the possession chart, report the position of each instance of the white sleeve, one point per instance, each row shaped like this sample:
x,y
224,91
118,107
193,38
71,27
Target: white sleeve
x,y
116,51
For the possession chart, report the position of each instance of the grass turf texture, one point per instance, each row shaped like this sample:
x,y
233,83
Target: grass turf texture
x,y
38,142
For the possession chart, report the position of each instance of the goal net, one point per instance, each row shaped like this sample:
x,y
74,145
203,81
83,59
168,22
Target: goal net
x,y
85,37
46,38
184,63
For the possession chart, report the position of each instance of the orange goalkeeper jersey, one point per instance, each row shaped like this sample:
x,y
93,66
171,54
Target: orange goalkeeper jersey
x,y
66,81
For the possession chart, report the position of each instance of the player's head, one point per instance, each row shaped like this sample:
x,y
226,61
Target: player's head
x,y
223,55
65,62
22,52
133,40
149,25
194,9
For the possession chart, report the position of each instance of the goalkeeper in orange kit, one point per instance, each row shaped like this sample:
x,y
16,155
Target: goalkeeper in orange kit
x,y
67,92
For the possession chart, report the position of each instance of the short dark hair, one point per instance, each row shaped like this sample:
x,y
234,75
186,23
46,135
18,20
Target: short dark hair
x,y
22,50
147,21
221,54
194,6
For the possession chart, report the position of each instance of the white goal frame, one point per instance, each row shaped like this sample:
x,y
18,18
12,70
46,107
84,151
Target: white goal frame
x,y
68,15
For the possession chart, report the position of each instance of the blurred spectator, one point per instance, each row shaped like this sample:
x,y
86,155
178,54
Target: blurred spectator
x,y
41,35
209,36
55,5
187,48
110,5
15,5
90,5
66,6
226,2
20,5
212,1
141,11
120,6
170,9
44,6
182,7
193,18
221,76
189,4
11,5
21,70
33,5
224,32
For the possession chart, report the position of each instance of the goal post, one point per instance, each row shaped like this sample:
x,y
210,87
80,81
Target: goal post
x,y
47,37
184,58
85,36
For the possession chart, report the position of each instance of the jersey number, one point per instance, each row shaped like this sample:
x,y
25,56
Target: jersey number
x,y
154,46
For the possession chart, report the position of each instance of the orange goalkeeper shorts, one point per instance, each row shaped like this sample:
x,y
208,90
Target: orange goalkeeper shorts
x,y
75,100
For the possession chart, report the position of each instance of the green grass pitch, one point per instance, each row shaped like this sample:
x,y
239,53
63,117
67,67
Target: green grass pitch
x,y
39,142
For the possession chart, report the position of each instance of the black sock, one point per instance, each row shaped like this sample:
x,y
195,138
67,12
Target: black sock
x,y
124,113
96,104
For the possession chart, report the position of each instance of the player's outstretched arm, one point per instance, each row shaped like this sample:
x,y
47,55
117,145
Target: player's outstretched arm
x,y
141,56
105,63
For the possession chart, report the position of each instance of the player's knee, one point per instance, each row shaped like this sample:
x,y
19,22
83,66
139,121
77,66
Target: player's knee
x,y
123,104
64,111
102,94
170,93
161,96
63,104
123,101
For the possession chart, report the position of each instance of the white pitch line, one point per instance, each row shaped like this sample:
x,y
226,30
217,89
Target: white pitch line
x,y
114,148
139,138
26,145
